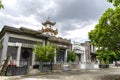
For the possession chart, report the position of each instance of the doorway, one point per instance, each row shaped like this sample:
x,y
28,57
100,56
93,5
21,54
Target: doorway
x,y
26,56
61,55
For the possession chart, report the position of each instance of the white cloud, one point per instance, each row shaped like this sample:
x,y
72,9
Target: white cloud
x,y
21,21
81,33
47,7
9,3
72,17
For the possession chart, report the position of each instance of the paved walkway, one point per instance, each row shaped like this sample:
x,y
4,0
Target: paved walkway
x,y
98,74
3,77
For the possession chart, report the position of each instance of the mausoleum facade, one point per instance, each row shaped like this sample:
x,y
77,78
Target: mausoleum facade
x,y
19,43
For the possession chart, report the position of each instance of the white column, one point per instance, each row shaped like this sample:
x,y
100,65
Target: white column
x,y
33,58
84,56
18,53
66,55
55,56
5,46
43,43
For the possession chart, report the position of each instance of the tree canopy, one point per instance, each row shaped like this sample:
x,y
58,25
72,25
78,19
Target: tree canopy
x,y
45,53
106,56
107,32
115,2
106,35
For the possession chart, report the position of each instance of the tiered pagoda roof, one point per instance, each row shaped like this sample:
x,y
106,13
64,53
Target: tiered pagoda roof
x,y
49,22
48,27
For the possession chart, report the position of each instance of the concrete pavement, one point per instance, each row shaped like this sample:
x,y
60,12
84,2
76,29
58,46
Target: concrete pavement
x,y
95,74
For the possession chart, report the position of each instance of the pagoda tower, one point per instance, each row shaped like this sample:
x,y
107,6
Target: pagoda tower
x,y
47,29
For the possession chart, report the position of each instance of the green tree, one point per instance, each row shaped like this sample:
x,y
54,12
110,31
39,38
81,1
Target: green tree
x,y
44,53
106,35
106,56
1,5
107,32
115,2
71,56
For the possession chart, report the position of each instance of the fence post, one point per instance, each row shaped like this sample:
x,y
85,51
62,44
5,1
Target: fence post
x,y
70,65
61,65
40,65
28,64
51,65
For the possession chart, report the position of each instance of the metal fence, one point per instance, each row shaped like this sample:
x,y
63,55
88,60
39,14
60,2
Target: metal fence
x,y
14,70
45,66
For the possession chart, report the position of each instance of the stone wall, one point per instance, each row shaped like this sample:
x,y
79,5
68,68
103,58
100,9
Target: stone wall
x,y
74,66
65,66
57,66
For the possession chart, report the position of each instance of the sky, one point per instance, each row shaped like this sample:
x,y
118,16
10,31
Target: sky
x,y
74,18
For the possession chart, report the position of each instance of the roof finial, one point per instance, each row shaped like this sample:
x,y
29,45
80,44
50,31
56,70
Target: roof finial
x,y
48,18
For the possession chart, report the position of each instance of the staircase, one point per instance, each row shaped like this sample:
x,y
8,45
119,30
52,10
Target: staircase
x,y
4,65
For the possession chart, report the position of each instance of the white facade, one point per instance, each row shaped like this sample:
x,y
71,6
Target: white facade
x,y
80,51
18,43
6,43
4,40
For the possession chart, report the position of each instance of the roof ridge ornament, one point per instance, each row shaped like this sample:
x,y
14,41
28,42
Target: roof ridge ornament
x,y
48,22
48,19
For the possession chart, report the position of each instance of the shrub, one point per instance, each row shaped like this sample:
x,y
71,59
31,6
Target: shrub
x,y
44,53
71,56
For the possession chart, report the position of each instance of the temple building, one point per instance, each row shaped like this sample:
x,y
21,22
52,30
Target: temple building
x,y
19,43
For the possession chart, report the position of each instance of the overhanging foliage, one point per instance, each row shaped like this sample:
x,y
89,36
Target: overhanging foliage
x,y
1,5
106,35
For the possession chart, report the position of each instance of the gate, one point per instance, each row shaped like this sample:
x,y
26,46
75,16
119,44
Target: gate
x,y
13,70
45,66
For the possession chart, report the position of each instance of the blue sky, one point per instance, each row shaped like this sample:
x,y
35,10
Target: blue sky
x,y
74,18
